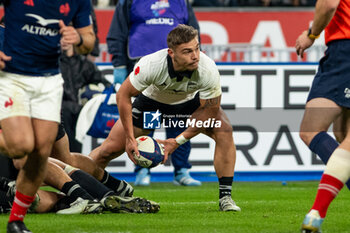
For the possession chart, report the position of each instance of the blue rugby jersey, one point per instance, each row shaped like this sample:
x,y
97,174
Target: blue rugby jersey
x,y
32,35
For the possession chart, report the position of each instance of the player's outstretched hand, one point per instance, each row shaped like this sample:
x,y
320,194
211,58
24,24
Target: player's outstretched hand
x,y
169,145
303,42
3,59
69,35
131,149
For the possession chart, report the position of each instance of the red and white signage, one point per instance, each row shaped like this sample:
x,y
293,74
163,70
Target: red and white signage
x,y
274,29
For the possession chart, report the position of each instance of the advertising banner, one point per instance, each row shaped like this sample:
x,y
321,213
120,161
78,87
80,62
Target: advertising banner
x,y
277,30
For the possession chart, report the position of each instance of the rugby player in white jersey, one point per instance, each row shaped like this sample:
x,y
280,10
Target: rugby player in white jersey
x,y
179,80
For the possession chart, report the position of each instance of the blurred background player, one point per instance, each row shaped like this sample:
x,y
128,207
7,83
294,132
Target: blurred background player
x,y
139,28
77,71
328,98
30,112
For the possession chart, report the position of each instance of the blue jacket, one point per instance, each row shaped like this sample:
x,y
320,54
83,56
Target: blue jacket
x,y
140,27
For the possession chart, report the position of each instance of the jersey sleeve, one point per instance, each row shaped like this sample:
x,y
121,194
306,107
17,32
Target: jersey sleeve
x,y
140,77
83,18
211,88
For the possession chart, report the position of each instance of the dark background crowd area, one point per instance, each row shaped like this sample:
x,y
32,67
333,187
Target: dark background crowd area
x,y
229,3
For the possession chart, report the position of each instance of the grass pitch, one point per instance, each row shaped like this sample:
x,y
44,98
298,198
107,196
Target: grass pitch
x,y
266,207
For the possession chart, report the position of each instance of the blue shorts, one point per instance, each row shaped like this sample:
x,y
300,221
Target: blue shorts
x,y
332,80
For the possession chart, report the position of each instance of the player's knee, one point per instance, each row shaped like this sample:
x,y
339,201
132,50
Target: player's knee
x,y
43,148
306,137
43,152
223,134
339,136
19,163
20,148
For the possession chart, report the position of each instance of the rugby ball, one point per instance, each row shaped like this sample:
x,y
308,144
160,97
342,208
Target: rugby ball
x,y
151,152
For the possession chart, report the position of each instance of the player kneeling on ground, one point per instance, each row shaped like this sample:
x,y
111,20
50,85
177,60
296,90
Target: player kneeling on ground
x,y
178,81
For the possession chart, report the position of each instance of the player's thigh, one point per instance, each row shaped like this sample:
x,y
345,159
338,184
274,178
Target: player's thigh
x,y
46,104
319,115
18,134
60,149
15,95
45,133
15,108
115,142
46,111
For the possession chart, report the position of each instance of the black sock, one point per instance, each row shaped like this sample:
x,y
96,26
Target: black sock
x,y
90,184
73,190
225,186
110,181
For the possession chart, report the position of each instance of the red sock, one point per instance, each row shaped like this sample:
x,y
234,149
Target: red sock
x,y
328,189
20,206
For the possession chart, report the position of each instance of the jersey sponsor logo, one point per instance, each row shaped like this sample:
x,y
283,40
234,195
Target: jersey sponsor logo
x,y
42,21
41,31
159,7
38,30
8,103
29,2
64,9
160,21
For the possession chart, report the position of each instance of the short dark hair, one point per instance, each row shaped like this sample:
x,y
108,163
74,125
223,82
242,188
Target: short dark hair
x,y
181,34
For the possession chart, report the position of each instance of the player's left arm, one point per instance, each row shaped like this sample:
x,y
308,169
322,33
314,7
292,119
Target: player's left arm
x,y
87,40
83,39
124,94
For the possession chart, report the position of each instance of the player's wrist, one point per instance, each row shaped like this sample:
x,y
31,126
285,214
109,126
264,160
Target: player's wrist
x,y
81,41
311,35
181,139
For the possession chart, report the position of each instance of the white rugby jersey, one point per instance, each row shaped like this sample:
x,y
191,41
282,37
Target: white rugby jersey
x,y
157,80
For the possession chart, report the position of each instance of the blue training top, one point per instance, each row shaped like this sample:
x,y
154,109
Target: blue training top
x,y
32,35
